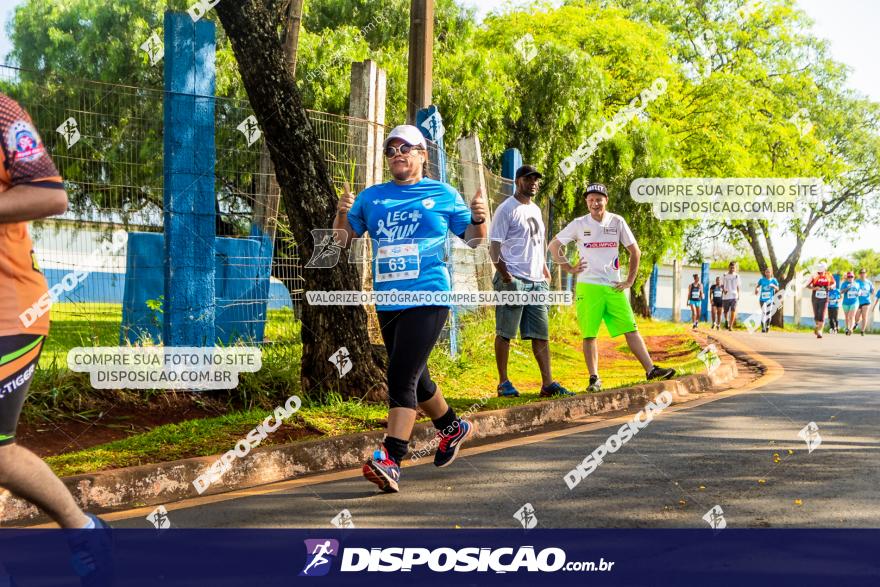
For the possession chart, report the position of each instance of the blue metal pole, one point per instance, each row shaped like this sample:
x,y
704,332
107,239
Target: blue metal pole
x,y
189,214
652,296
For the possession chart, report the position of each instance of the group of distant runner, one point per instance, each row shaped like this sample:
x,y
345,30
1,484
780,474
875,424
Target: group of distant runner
x,y
857,297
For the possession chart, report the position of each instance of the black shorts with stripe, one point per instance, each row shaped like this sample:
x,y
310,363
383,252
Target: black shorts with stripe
x,y
19,355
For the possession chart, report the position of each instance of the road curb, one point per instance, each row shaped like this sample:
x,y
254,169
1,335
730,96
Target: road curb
x,y
163,483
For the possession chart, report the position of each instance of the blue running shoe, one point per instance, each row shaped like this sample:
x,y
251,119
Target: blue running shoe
x,y
556,390
507,389
383,471
450,443
92,549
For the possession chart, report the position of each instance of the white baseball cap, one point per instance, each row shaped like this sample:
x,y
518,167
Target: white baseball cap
x,y
408,134
821,267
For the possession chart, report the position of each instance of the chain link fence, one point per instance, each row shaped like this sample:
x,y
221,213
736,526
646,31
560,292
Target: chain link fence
x,y
107,142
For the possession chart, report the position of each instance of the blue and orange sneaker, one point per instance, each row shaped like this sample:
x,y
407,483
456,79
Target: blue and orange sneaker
x,y
450,443
383,471
507,389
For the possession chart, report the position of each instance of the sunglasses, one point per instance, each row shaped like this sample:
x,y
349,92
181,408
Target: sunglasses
x,y
403,149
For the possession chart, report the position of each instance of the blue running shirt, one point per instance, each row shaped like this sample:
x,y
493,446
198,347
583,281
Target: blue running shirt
x,y
766,292
833,298
409,225
850,292
866,288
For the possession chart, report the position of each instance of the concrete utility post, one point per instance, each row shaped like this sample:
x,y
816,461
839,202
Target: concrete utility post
x,y
421,47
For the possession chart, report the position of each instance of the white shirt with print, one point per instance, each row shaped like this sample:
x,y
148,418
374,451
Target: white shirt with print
x,y
731,283
598,243
520,230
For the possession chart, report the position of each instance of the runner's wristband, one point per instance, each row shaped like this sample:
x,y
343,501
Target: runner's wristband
x,y
477,223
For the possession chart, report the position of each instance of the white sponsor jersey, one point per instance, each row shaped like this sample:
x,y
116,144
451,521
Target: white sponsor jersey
x,y
598,244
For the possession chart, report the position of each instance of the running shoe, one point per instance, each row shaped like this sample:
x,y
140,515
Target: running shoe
x,y
507,389
556,390
92,553
660,373
595,384
848,332
450,443
818,335
382,471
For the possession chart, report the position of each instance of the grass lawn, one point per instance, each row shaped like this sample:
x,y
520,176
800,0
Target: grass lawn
x,y
468,381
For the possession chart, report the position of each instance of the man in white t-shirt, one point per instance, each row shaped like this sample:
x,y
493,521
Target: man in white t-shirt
x,y
600,297
516,247
732,285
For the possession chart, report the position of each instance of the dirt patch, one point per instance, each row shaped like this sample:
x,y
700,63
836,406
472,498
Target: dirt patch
x,y
662,348
117,422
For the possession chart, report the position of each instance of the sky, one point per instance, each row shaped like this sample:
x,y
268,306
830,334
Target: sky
x,y
849,25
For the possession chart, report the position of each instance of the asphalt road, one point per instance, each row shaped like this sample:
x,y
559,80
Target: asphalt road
x,y
671,474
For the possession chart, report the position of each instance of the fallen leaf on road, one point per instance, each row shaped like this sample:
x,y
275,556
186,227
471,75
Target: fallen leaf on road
x,y
791,452
798,502
762,481
702,487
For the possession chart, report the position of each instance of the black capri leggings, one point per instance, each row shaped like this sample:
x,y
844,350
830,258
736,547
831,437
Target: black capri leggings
x,y
832,317
410,336
819,307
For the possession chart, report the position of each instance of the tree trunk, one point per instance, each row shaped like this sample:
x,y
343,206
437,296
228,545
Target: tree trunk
x,y
638,298
309,201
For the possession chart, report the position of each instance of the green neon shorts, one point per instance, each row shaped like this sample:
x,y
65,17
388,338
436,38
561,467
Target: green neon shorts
x,y
597,303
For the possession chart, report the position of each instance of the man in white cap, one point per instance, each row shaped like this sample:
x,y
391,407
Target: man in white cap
x,y
409,220
600,298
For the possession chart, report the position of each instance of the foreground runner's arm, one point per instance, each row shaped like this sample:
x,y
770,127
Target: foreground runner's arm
x,y
32,201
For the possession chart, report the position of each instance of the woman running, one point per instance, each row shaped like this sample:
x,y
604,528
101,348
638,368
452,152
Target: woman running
x,y
849,294
409,219
820,284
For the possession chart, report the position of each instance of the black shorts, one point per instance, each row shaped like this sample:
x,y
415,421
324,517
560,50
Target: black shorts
x,y
19,355
729,305
717,303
